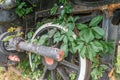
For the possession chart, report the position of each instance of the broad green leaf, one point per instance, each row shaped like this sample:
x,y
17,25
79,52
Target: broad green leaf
x,y
94,47
91,34
22,5
71,39
43,39
73,48
20,12
95,63
91,53
98,30
87,35
110,46
65,39
30,34
70,34
54,9
72,19
96,35
64,47
57,37
83,51
51,33
68,8
72,76
56,40
95,21
28,10
104,66
63,32
76,18
35,41
63,1
98,44
62,13
94,74
105,46
84,31
81,26
61,38
80,46
70,26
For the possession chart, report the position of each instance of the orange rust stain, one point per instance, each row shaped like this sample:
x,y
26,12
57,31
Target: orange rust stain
x,y
49,61
112,7
60,55
109,8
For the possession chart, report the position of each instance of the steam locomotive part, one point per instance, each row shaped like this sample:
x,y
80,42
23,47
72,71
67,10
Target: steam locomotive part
x,y
4,46
66,66
17,43
3,60
50,52
7,16
53,57
77,9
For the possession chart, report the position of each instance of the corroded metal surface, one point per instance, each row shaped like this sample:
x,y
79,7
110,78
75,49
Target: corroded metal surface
x,y
50,52
84,8
77,9
7,16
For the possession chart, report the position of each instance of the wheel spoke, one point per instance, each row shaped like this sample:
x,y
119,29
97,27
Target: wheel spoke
x,y
44,74
70,65
53,74
62,73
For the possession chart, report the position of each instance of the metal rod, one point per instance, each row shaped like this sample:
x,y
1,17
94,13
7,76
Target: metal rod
x,y
50,52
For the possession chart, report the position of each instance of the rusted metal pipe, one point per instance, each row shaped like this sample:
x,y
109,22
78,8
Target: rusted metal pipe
x,y
50,52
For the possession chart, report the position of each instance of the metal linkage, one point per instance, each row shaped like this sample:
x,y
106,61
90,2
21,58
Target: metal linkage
x,y
77,9
50,52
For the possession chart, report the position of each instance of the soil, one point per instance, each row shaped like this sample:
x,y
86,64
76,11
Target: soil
x,y
10,74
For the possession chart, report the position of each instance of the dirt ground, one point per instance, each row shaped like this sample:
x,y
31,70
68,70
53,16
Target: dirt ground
x,y
11,74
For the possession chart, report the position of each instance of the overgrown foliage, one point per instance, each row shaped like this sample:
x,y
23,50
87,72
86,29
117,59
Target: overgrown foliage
x,y
83,39
89,42
22,8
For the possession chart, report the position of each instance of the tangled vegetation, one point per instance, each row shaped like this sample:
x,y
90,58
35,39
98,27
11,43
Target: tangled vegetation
x,y
88,42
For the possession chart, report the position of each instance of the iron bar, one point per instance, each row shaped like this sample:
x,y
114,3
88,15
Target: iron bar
x,y
50,52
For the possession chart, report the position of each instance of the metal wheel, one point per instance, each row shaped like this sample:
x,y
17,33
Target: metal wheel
x,y
71,65
4,46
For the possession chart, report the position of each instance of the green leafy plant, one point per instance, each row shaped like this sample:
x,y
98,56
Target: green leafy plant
x,y
22,8
83,39
89,41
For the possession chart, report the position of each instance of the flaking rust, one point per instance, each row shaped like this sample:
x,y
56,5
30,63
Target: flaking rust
x,y
85,9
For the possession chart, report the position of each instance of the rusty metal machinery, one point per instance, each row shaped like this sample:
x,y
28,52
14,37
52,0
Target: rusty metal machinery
x,y
70,64
17,43
86,9
53,58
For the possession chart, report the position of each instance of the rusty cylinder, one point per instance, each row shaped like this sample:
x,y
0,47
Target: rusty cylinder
x,y
50,52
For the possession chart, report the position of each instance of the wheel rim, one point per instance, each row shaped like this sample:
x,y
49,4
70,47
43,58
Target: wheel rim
x,y
62,67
